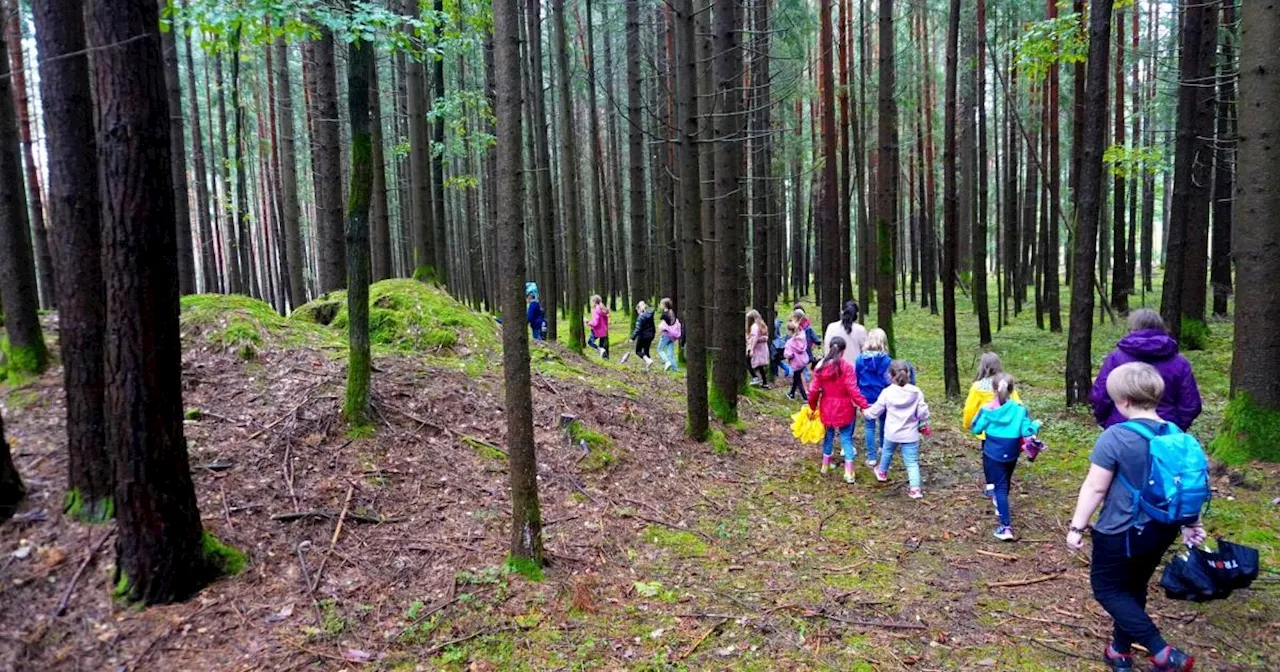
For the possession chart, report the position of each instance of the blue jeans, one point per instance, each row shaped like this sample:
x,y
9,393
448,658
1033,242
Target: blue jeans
x,y
910,457
846,441
874,430
999,477
667,351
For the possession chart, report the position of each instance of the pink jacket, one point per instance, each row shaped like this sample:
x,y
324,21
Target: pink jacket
x,y
797,351
758,347
599,323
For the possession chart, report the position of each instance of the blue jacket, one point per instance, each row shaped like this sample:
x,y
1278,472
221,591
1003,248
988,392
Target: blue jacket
x,y
780,337
873,373
1005,427
534,315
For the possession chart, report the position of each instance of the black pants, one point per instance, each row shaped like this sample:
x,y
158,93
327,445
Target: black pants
x,y
601,342
642,347
759,371
1121,568
797,384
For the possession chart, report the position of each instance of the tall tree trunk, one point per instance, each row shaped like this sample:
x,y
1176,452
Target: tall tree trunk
x,y
230,257
572,188
19,294
1077,146
12,491
1030,197
595,184
160,540
361,75
1254,411
618,277
380,224
1187,245
427,256
635,158
843,196
887,188
1119,284
828,225
705,40
966,136
929,253
208,256
1224,164
730,360
1052,301
1012,231
950,233
660,129
866,238
1149,175
443,271
1079,371
244,246
177,157
689,216
40,233
980,303
290,218
73,203
526,516
326,161
546,228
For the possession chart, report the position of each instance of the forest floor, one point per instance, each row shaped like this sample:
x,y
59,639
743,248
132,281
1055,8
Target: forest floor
x,y
387,551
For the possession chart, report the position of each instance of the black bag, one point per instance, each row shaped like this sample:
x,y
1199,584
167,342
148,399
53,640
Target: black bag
x,y
1202,575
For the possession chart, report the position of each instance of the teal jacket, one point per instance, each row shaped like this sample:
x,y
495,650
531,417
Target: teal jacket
x,y
1005,426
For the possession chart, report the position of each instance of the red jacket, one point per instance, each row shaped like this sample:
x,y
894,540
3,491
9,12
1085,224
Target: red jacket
x,y
835,394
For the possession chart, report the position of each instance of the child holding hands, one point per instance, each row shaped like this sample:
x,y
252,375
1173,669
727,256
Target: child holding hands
x,y
904,409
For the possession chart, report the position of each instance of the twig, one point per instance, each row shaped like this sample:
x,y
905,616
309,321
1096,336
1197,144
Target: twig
x,y
1002,556
424,617
689,651
901,625
673,526
458,640
1024,582
337,532
1055,649
330,514
75,578
286,416
306,581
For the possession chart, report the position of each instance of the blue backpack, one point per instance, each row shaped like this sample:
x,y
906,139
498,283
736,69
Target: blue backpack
x,y
1177,485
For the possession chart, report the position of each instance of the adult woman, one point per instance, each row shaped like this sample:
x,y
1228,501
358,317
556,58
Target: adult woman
x,y
848,329
1148,341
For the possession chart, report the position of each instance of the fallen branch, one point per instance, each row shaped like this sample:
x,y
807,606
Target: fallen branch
x,y
337,532
424,617
75,578
306,581
673,526
1002,556
1055,649
689,651
1024,582
901,625
458,640
330,514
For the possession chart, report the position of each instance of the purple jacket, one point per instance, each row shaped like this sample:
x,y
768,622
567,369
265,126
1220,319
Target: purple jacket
x,y
1181,401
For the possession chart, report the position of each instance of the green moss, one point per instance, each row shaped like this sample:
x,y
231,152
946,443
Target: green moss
x,y
1249,432
724,410
720,443
226,560
25,361
332,623
99,511
233,323
322,310
600,447
410,316
192,414
1195,334
677,541
366,431
441,339
123,586
485,449
526,567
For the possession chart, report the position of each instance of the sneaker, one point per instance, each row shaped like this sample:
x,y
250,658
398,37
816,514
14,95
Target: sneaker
x,y
625,357
826,465
1004,533
873,463
648,364
915,493
849,477
791,396
1172,660
1117,661
602,355
881,474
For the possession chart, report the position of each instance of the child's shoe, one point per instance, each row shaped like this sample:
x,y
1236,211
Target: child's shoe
x,y
1117,661
873,463
826,464
1172,660
915,493
791,396
1004,533
848,471
648,364
881,474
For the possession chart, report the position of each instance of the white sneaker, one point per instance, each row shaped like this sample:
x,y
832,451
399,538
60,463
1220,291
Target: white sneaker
x,y
1004,533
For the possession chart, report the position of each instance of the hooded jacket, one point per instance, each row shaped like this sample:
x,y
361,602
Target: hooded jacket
x,y
873,373
1004,425
980,394
644,330
796,351
599,322
904,409
835,394
1181,401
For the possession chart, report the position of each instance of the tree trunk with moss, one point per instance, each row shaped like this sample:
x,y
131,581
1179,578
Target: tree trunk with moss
x,y
730,361
1253,416
12,491
73,203
360,64
160,543
887,188
26,351
572,189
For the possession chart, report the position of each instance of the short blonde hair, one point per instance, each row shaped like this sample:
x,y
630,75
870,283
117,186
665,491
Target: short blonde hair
x,y
877,341
1137,382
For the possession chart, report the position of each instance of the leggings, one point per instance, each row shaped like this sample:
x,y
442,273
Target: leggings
x,y
642,347
797,385
1120,570
760,372
601,342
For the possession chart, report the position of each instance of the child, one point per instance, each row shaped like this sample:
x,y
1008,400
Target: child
x,y
872,367
980,392
796,359
1005,422
757,346
777,349
533,313
904,409
642,334
668,333
835,394
599,324
1126,554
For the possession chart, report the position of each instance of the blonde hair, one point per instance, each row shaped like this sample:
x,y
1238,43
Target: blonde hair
x,y
989,365
753,317
792,327
877,341
1136,382
1003,384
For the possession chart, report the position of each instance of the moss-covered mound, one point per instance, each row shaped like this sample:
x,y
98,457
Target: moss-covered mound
x,y
230,322
408,315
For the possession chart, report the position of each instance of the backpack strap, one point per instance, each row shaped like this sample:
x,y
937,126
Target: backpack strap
x,y
1139,429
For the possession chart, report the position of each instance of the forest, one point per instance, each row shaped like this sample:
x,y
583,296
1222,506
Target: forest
x,y
315,311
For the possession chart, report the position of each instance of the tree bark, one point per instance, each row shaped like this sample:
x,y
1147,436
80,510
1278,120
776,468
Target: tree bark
x,y
601,250
950,233
290,217
689,216
1119,283
572,188
361,74
1077,145
160,540
1052,300
730,360
210,281
12,491
979,241
828,219
244,244
73,203
887,187
635,158
844,196
1079,371
40,234
1149,175
177,157
230,258
380,217
327,165
443,270
426,263
1224,164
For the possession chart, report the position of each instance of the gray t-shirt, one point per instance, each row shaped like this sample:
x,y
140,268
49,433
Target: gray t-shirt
x,y
1121,451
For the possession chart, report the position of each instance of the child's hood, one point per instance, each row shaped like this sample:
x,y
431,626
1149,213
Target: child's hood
x,y
901,397
1008,414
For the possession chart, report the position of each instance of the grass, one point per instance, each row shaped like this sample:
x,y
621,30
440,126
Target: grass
x,y
599,446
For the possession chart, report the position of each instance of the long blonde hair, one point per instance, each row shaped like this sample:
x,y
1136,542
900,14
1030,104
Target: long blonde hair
x,y
753,317
877,341
598,302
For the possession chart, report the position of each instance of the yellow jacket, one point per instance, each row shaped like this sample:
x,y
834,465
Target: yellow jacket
x,y
980,394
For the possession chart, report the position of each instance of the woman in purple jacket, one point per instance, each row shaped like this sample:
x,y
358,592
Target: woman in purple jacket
x,y
1147,341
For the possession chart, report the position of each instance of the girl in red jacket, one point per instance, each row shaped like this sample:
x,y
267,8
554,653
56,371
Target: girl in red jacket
x,y
835,395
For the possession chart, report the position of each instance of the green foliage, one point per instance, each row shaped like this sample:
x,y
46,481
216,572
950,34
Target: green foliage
x,y
1064,40
234,323
485,449
599,445
122,587
680,542
720,443
722,409
1131,162
98,511
526,567
1249,432
225,560
22,362
332,623
257,22
1195,334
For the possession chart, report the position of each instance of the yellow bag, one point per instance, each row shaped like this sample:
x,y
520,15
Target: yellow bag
x,y
808,430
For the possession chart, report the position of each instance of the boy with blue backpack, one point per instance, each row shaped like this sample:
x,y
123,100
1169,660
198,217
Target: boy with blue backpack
x,y
1152,481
